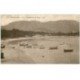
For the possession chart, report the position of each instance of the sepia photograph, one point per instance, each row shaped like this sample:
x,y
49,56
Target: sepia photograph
x,y
40,39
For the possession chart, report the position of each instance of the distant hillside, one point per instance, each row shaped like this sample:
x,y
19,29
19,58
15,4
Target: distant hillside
x,y
63,26
17,33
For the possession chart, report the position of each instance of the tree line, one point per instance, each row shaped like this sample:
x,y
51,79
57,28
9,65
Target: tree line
x,y
14,33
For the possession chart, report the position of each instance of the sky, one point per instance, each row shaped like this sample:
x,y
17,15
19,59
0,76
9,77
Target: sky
x,y
6,19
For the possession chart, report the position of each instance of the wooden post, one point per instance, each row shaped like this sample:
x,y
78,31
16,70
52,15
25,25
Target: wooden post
x,y
2,55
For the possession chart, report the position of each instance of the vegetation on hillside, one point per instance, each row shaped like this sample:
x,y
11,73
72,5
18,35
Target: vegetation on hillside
x,y
14,33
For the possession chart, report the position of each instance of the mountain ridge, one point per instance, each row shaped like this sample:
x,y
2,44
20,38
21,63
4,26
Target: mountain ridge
x,y
65,26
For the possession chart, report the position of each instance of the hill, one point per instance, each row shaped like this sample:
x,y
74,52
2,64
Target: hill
x,y
63,26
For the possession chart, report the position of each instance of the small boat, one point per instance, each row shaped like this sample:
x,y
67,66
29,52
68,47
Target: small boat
x,y
52,48
68,50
